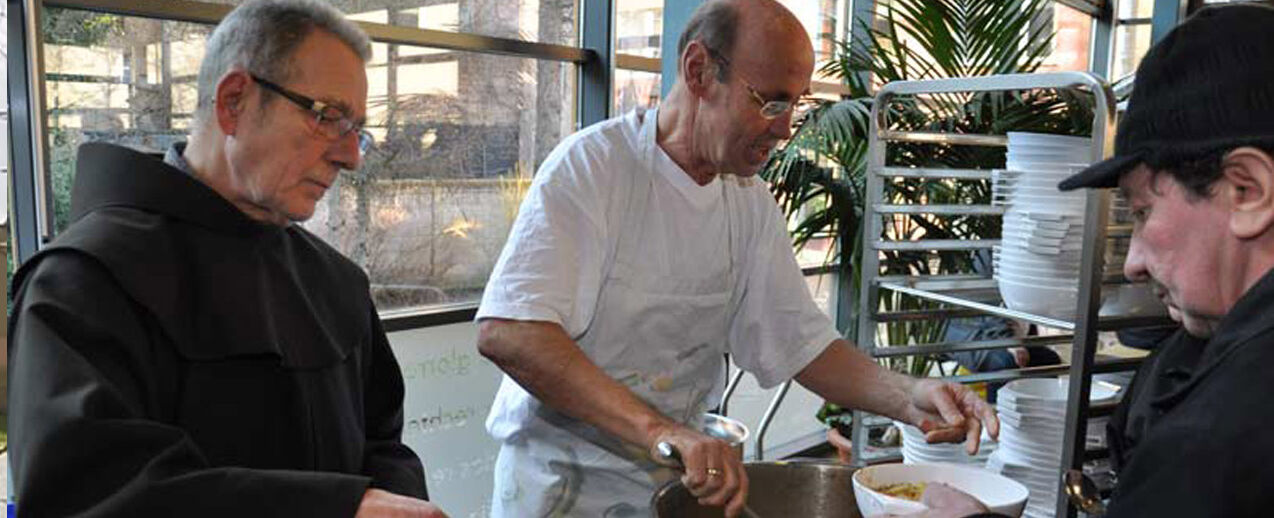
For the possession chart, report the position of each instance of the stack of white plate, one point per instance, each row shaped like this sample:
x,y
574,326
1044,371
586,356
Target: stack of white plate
x,y
916,451
1037,264
1032,416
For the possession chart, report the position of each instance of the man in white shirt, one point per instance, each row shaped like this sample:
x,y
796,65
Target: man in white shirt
x,y
643,253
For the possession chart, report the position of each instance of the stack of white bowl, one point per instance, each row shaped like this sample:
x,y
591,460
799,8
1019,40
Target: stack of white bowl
x,y
915,450
1032,416
1037,264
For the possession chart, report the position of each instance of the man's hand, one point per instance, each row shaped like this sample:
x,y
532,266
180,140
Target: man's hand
x,y
949,412
714,472
378,503
946,412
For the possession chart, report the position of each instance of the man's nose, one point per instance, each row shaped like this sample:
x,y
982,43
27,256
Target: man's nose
x,y
345,153
1135,261
781,126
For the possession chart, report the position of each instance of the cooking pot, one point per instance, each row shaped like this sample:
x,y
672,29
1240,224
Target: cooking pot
x,y
806,488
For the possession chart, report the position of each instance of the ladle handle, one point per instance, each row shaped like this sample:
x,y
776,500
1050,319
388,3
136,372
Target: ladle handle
x,y
666,452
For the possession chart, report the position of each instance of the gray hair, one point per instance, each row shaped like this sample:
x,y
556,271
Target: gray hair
x,y
715,24
262,35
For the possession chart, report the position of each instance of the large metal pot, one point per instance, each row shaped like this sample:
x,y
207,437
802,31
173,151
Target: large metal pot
x,y
811,489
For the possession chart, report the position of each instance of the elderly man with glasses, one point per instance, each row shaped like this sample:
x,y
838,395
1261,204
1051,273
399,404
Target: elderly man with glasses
x,y
184,348
643,254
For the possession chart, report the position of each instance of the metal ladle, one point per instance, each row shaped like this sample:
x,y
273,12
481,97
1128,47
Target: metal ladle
x,y
1083,493
668,452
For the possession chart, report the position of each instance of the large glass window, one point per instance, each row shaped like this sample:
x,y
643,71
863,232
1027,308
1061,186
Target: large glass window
x,y
1132,36
545,21
1072,40
824,20
638,46
639,27
636,88
459,135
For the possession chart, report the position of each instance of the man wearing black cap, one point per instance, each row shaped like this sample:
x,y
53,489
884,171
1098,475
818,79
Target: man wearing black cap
x,y
1194,156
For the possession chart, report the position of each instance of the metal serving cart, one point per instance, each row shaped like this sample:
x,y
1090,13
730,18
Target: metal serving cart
x,y
978,294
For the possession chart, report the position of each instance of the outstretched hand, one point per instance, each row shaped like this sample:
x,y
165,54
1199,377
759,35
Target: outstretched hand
x,y
950,412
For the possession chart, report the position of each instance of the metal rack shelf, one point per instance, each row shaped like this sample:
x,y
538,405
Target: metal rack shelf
x,y
967,301
965,295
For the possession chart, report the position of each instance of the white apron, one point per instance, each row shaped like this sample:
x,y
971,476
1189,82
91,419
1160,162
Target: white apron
x,y
665,339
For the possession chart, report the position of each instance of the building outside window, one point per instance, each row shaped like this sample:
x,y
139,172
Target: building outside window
x,y
1132,36
458,134
638,48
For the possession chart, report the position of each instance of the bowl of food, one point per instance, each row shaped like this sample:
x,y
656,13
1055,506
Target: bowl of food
x,y
889,489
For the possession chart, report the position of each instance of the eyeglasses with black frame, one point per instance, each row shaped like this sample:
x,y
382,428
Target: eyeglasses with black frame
x,y
770,108
332,122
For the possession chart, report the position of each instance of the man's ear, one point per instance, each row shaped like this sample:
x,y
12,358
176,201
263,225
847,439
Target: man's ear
x,y
698,68
1249,173
230,100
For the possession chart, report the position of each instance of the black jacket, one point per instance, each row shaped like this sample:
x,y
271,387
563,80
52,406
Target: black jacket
x,y
1207,442
170,356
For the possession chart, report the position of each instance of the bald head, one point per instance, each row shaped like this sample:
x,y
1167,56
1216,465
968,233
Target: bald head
x,y
742,66
760,30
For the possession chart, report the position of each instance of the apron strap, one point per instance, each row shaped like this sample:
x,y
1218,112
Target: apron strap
x,y
638,182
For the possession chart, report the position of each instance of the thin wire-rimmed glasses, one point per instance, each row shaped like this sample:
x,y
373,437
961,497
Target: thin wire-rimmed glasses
x,y
332,122
770,108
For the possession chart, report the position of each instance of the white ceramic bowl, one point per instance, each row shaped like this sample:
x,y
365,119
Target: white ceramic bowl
x,y
1038,300
1038,231
1037,190
1045,203
1034,273
1028,139
1059,272
1053,390
1069,286
1059,155
999,493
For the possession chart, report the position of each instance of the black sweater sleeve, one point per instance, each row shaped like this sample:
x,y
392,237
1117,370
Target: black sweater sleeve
x,y
83,366
391,464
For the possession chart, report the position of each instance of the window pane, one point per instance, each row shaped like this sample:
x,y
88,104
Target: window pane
x,y
1131,43
1072,35
823,289
458,137
1136,8
546,21
635,89
823,21
639,26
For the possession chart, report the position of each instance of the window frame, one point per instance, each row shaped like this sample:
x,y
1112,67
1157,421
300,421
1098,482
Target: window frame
x,y
595,59
33,228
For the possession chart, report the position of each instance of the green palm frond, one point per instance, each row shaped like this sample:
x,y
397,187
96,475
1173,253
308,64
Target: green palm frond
x,y
818,175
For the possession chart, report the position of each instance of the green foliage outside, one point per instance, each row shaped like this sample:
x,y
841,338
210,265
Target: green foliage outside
x,y
819,176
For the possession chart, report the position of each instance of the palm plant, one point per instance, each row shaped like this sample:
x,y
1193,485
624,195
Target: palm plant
x,y
818,176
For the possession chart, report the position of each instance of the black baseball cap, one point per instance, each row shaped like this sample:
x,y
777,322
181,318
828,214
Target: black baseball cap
x,y
1208,85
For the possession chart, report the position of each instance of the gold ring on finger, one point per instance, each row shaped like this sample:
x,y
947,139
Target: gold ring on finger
x,y
712,472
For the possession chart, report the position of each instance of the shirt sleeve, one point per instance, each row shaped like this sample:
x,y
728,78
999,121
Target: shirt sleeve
x,y
777,329
552,264
391,464
81,370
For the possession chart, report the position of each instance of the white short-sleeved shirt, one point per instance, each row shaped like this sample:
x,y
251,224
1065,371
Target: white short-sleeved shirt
x,y
560,248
